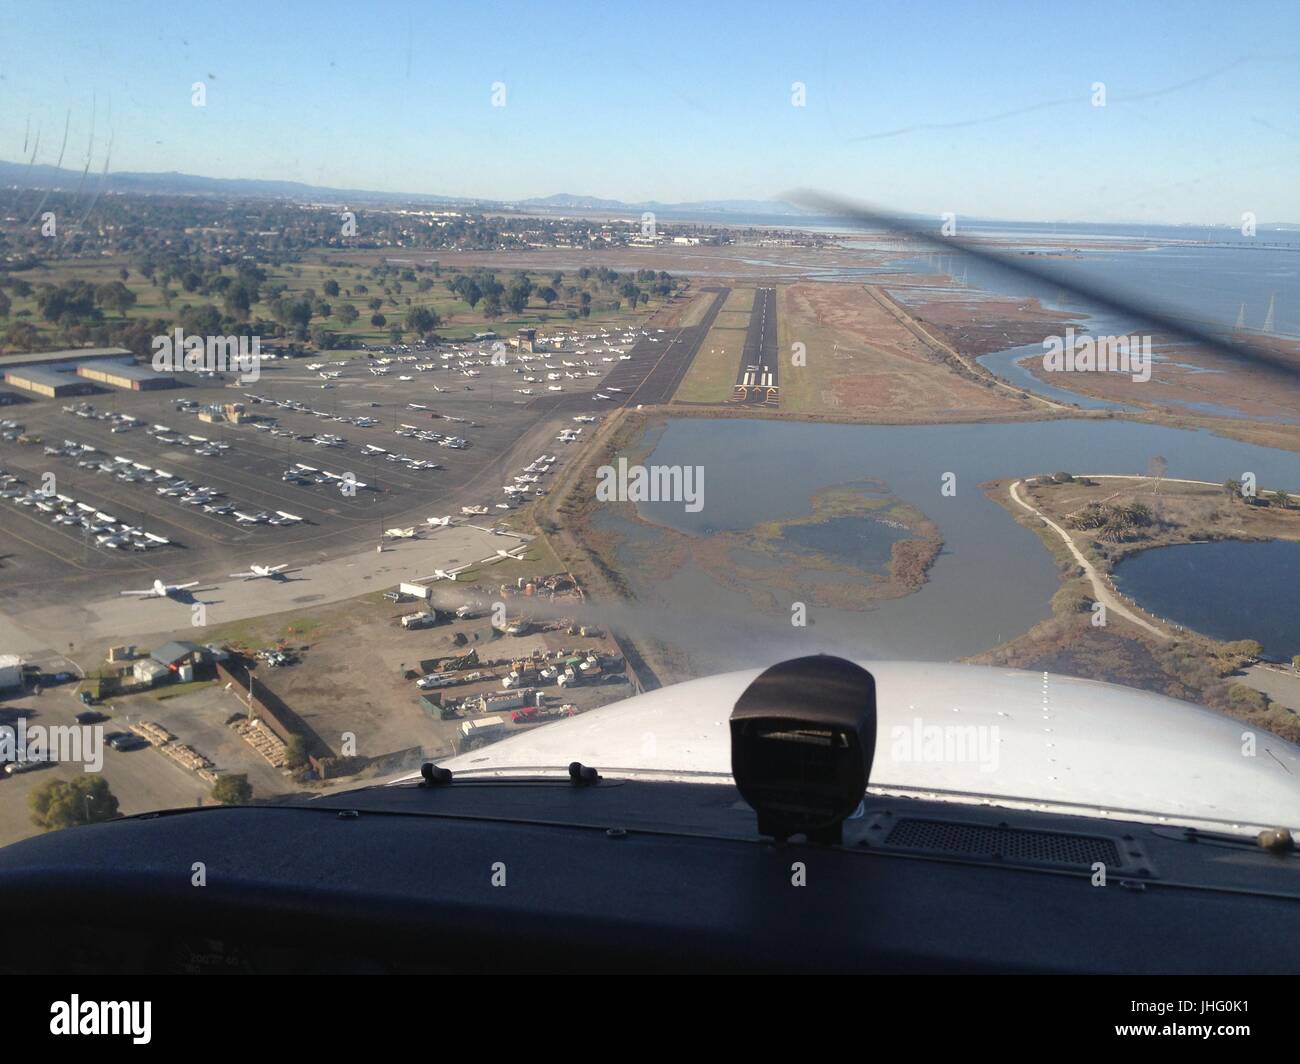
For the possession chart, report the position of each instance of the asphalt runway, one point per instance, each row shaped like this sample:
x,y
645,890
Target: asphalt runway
x,y
757,382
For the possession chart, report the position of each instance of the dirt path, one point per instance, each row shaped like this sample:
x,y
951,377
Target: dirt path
x,y
1100,591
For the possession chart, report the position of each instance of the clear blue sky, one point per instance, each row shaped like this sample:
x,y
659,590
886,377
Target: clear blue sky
x,y
679,101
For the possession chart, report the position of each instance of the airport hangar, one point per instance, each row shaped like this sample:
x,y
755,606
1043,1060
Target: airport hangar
x,y
55,374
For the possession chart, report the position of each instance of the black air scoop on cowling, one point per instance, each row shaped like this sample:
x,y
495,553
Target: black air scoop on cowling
x,y
803,736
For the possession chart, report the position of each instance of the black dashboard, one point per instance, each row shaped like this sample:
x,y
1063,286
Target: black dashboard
x,y
544,875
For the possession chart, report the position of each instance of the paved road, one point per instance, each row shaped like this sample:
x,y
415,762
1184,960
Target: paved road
x,y
757,382
1100,592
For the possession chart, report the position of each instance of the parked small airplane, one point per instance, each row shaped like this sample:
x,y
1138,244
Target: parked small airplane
x,y
160,590
400,533
254,571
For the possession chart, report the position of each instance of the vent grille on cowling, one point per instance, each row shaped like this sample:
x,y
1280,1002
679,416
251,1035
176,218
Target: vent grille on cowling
x,y
1008,844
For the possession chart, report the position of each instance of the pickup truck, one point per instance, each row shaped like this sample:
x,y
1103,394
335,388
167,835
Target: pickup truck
x,y
446,679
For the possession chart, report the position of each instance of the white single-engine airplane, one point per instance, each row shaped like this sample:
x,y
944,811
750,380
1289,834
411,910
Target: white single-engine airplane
x,y
160,590
255,571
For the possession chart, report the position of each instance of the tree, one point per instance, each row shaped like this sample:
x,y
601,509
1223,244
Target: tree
x,y
5,304
85,799
293,314
21,336
71,301
348,314
203,320
295,752
378,321
237,300
331,288
549,295
422,320
1232,488
517,299
232,789
116,296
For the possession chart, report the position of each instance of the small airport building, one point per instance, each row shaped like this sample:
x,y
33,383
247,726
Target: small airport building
x,y
178,659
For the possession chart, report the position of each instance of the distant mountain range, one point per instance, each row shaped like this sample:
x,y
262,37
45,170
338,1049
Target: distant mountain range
x,y
738,211
565,201
177,184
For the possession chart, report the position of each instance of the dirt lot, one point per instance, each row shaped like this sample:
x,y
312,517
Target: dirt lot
x,y
354,657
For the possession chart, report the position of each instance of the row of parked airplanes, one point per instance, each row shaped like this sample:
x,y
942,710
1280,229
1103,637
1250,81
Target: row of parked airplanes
x,y
169,486
163,434
325,439
66,510
361,421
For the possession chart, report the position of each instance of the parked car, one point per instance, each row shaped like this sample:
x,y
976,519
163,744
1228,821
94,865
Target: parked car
x,y
91,716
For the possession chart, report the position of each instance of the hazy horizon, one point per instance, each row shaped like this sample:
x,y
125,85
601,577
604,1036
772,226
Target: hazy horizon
x,y
921,108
